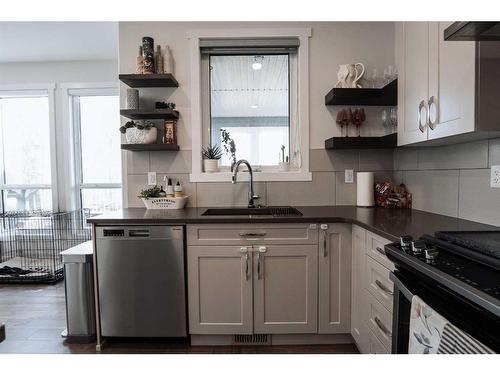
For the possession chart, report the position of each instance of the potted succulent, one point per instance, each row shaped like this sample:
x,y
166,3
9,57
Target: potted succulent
x,y
211,156
139,132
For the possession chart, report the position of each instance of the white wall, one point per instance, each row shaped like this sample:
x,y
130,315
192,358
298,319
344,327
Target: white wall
x,y
331,44
60,72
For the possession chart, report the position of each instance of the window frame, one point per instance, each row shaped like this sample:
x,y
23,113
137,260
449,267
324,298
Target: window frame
x,y
73,136
299,102
27,89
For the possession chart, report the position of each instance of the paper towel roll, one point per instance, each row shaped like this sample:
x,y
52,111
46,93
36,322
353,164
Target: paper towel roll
x,y
365,189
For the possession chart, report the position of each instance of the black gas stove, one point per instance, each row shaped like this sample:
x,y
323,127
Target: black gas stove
x,y
458,273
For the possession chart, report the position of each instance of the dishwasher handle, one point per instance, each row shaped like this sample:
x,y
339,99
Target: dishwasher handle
x,y
138,233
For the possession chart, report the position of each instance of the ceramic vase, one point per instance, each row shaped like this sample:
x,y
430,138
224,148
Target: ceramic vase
x,y
132,99
211,165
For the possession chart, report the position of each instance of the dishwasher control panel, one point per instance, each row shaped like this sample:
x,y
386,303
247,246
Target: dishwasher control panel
x,y
113,233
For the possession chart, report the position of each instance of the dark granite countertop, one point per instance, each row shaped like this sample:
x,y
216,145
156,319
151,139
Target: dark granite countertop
x,y
389,223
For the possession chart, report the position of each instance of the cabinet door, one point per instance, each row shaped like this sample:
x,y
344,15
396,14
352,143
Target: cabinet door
x,y
451,84
220,289
413,58
285,288
335,253
359,328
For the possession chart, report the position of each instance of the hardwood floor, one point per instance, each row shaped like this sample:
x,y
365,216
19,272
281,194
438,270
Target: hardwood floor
x,y
34,316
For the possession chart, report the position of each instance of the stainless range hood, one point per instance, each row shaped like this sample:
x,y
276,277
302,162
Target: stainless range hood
x,y
473,31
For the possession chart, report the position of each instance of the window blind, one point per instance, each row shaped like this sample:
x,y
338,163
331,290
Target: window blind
x,y
229,46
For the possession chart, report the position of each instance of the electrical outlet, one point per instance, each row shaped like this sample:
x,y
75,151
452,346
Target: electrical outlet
x,y
151,178
495,176
349,176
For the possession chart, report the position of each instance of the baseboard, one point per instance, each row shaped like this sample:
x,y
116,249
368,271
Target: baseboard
x,y
298,339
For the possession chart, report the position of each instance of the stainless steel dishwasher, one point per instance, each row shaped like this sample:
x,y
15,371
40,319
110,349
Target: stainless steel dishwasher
x,y
140,273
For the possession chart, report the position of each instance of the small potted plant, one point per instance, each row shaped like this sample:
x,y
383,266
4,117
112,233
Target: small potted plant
x,y
139,132
229,146
211,156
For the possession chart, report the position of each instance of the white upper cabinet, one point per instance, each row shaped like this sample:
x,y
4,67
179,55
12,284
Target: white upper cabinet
x,y
412,61
444,87
451,84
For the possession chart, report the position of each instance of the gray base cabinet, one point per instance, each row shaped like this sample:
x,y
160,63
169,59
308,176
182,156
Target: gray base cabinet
x,y
269,279
285,289
335,252
219,290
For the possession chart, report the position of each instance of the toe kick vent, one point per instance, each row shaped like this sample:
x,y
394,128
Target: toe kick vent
x,y
256,339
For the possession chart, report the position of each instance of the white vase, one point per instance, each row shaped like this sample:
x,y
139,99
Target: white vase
x,y
168,61
141,136
211,165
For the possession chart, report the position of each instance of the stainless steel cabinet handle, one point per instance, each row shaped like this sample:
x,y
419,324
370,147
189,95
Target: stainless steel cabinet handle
x,y
260,266
244,250
325,252
382,327
247,268
383,288
253,234
324,228
432,102
380,250
419,116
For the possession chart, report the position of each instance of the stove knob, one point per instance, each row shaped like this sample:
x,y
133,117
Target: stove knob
x,y
431,253
418,247
405,242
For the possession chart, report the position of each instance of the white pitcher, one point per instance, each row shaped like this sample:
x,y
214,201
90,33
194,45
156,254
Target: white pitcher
x,y
349,75
359,74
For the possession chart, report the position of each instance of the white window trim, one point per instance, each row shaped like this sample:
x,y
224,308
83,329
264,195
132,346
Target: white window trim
x,y
71,143
50,88
194,36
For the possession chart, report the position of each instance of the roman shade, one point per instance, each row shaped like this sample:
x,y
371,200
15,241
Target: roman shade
x,y
229,46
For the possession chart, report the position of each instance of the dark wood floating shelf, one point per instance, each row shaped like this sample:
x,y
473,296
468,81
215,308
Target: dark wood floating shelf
x,y
141,114
150,147
385,96
149,80
344,143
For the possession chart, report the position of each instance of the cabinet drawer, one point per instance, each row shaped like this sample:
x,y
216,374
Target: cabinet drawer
x,y
375,249
249,234
375,346
378,283
380,321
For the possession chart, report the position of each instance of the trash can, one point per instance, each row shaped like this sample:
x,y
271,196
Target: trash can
x,y
79,287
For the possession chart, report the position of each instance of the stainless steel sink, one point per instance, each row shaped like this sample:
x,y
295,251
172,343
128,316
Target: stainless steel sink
x,y
261,211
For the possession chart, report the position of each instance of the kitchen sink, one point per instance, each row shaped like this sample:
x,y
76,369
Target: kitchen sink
x,y
260,211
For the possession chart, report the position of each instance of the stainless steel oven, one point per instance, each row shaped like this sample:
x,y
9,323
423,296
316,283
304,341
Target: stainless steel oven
x,y
461,283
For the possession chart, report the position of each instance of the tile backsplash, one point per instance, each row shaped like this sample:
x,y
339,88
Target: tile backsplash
x,y
326,188
449,180
452,180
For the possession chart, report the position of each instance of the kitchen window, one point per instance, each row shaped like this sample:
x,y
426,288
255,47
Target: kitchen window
x,y
250,100
95,115
26,161
253,85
